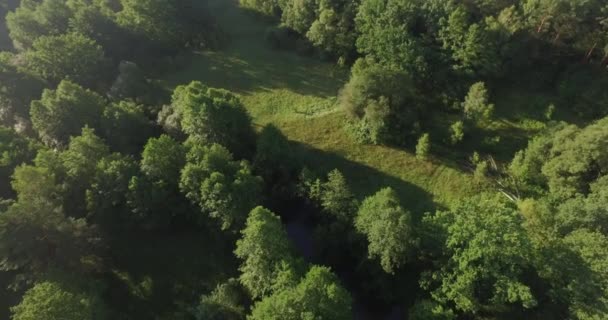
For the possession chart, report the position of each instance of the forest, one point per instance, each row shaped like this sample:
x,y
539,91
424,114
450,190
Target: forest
x,y
303,159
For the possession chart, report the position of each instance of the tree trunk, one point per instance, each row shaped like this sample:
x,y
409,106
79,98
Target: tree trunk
x,y
556,38
589,53
604,60
542,24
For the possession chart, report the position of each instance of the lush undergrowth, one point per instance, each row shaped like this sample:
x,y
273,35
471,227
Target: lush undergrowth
x,y
298,94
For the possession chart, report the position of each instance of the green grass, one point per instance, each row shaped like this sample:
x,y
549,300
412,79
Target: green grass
x,y
298,94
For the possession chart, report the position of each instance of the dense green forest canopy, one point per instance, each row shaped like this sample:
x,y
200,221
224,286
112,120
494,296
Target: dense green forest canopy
x,y
303,159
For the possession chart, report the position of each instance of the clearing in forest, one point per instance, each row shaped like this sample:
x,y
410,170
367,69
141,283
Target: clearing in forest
x,y
298,94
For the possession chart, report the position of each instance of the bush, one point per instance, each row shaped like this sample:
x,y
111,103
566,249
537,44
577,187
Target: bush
x,y
423,148
456,132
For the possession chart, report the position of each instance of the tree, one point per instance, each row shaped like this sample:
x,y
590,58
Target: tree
x,y
54,301
267,7
318,296
388,33
223,188
388,229
263,248
76,170
17,89
274,158
63,112
334,29
471,45
14,151
170,24
299,15
423,148
568,25
476,106
430,310
37,237
32,20
456,132
381,102
214,116
126,127
485,255
154,195
337,198
68,56
587,281
162,159
106,198
565,160
588,212
152,19
224,303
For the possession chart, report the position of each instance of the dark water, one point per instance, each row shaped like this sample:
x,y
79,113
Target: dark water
x,y
300,229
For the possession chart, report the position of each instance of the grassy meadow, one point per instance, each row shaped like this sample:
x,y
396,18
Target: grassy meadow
x,y
298,94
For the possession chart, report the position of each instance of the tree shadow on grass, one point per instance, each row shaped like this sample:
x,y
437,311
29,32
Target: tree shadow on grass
x,y
245,73
365,180
247,63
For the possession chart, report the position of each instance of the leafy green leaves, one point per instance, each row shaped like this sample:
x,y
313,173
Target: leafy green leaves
x,y
388,229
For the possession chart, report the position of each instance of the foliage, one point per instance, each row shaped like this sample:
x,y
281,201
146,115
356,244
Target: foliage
x,y
54,301
162,159
566,160
267,7
333,30
31,21
72,56
63,112
264,247
170,24
388,229
423,148
383,107
223,188
75,169
471,45
17,89
126,127
35,234
154,196
274,159
214,116
317,296
476,106
387,33
14,151
485,255
224,303
430,310
107,195
336,197
456,132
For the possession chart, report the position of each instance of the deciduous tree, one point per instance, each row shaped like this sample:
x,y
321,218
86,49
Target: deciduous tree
x,y
388,229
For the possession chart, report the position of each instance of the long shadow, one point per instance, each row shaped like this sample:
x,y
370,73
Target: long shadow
x,y
365,180
242,73
247,64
